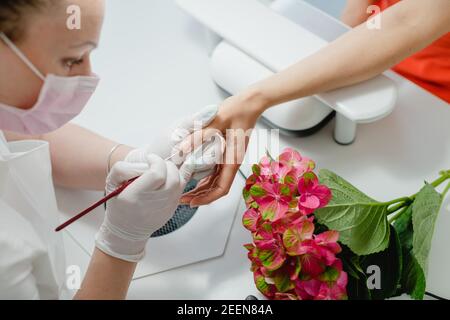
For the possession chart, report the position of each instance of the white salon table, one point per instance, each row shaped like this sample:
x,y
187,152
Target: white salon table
x,y
155,68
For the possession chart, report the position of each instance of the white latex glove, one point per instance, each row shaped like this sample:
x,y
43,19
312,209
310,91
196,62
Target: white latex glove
x,y
164,145
142,208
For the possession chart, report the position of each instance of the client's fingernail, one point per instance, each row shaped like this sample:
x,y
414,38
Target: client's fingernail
x,y
193,205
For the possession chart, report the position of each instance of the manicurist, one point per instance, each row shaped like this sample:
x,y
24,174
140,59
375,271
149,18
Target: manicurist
x,y
46,80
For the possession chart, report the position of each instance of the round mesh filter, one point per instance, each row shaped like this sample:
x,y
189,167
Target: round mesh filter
x,y
182,215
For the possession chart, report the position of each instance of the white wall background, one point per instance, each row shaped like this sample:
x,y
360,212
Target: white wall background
x,y
333,7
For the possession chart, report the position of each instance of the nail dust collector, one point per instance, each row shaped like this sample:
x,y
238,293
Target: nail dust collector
x,y
252,41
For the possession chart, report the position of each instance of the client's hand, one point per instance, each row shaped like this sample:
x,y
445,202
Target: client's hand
x,y
236,119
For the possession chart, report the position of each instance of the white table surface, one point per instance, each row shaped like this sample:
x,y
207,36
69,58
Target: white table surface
x,y
154,67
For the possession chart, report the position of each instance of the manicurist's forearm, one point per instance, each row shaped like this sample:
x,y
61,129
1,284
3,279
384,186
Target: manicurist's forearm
x,y
107,278
79,157
360,54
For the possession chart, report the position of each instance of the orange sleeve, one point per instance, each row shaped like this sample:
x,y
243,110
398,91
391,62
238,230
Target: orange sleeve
x,y
429,68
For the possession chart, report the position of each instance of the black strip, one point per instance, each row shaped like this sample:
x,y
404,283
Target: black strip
x,y
434,296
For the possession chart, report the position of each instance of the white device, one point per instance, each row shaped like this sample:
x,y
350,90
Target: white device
x,y
251,41
189,237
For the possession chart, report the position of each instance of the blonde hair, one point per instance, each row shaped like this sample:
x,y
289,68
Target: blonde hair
x,y
13,15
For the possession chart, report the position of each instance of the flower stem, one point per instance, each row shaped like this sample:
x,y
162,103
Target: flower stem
x,y
444,172
398,214
399,206
447,188
445,175
399,200
402,204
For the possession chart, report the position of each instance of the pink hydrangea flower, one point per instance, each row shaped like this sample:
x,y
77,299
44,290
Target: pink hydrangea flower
x,y
312,194
251,220
265,288
331,285
288,259
274,171
285,296
270,252
295,237
296,162
272,198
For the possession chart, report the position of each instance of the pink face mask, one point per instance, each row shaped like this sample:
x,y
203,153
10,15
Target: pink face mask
x,y
61,99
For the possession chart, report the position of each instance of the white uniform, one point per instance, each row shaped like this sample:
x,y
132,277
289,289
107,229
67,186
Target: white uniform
x,y
32,262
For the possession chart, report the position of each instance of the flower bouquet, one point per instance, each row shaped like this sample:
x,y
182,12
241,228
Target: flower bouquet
x,y
318,237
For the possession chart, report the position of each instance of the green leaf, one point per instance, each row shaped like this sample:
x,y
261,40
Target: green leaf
x,y
361,221
415,228
355,260
390,263
357,288
404,228
425,209
341,188
413,280
350,269
357,279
